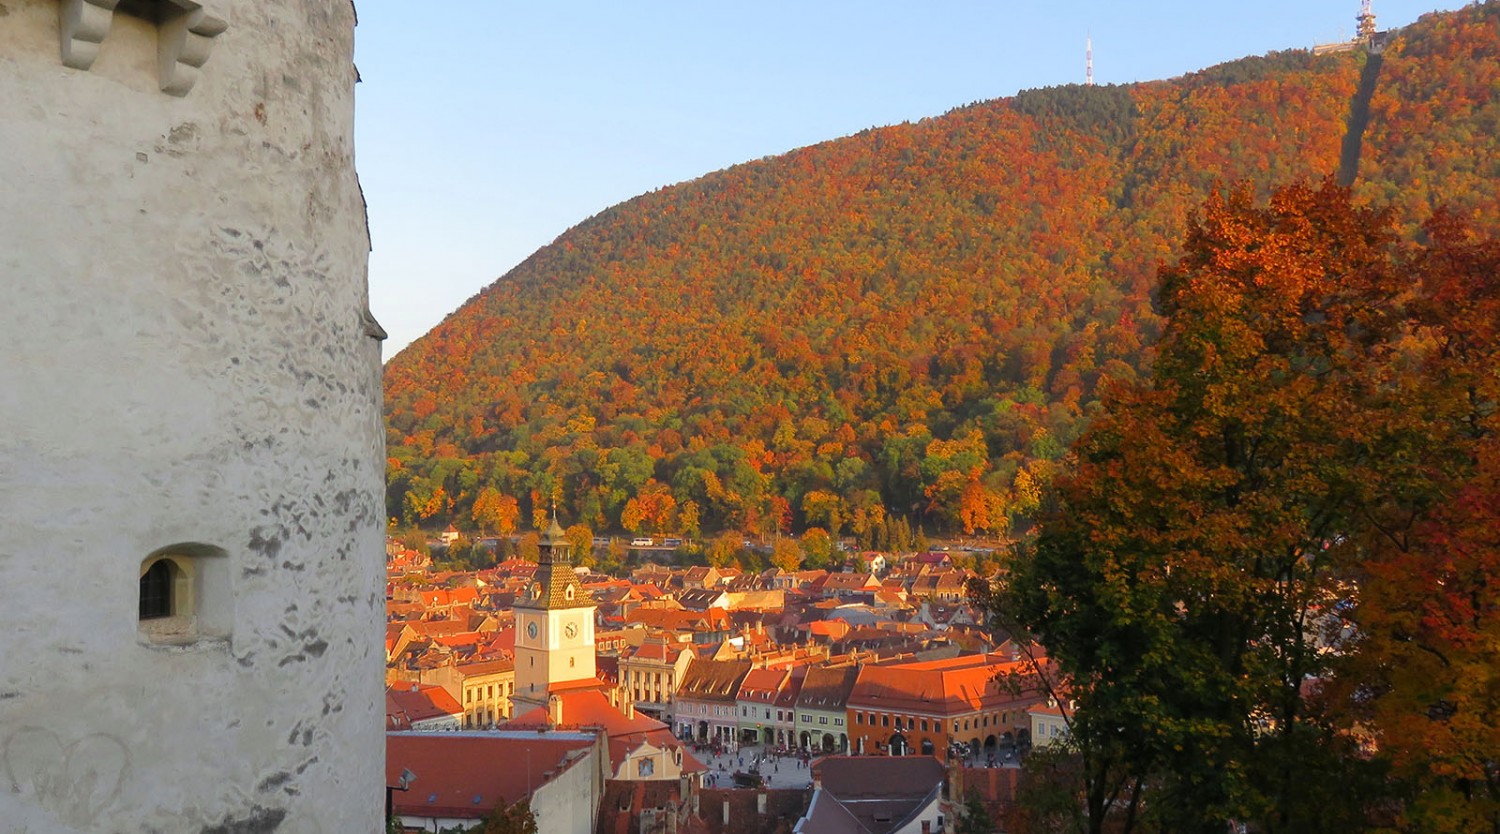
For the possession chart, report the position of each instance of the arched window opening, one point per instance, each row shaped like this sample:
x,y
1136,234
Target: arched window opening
x,y
183,595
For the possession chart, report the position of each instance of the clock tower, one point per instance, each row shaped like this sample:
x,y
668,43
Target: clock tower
x,y
554,627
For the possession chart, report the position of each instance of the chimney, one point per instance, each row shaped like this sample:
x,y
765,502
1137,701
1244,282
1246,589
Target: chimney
x,y
760,803
629,709
555,710
726,813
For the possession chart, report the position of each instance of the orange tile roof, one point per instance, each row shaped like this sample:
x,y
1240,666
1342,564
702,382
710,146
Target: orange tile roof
x,y
835,629
953,686
454,641
486,667
420,702
432,628
761,685
467,775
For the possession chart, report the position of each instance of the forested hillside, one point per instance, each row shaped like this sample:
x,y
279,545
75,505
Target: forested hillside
x,y
909,322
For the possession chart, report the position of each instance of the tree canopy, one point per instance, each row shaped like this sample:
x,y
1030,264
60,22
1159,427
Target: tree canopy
x,y
1253,549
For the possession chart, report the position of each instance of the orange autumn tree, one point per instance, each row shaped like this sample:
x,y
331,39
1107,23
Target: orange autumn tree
x,y
496,511
1208,523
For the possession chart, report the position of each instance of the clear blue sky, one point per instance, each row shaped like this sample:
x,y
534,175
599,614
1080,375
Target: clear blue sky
x,y
486,128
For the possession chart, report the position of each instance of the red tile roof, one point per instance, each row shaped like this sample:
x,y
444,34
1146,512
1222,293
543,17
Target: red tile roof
x,y
486,667
406,704
952,686
762,685
466,775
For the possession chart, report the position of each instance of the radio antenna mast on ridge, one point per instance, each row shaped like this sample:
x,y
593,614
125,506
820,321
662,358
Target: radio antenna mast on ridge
x,y
1088,60
1366,31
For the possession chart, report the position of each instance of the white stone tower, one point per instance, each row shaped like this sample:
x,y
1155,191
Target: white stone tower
x,y
190,432
554,628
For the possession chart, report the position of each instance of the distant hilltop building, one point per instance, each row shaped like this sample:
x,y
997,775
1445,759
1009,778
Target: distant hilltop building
x,y
192,474
1365,33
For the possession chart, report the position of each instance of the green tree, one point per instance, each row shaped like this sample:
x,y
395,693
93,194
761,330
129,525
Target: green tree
x,y
817,548
515,819
975,818
529,547
688,519
724,549
582,540
826,507
412,538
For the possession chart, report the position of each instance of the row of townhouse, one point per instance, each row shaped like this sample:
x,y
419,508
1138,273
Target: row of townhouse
x,y
975,705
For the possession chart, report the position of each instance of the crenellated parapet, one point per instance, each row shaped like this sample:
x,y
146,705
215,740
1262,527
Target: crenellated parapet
x,y
185,33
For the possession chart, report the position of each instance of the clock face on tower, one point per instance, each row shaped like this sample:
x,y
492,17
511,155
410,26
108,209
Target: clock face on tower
x,y
531,630
571,630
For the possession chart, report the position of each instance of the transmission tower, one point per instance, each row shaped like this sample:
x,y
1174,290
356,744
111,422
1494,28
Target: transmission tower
x,y
1088,60
1366,21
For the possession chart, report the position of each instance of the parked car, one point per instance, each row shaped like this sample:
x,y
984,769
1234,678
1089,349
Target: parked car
x,y
672,542
642,542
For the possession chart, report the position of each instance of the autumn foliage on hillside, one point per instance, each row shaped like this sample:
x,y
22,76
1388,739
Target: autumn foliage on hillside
x,y
910,322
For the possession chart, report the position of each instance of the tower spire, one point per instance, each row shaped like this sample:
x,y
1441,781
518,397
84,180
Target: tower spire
x,y
1088,60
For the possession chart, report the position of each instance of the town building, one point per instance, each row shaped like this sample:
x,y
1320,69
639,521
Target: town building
x,y
707,701
651,672
757,703
965,703
483,688
786,706
822,708
423,708
638,747
872,795
1048,723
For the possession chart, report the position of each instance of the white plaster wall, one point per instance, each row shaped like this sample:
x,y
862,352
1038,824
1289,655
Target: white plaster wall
x,y
929,814
566,804
184,362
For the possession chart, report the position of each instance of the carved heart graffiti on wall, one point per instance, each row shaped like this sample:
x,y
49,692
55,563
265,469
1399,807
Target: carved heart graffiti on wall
x,y
75,782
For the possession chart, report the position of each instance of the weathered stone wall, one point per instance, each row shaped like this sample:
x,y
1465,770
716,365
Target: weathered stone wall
x,y
187,366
